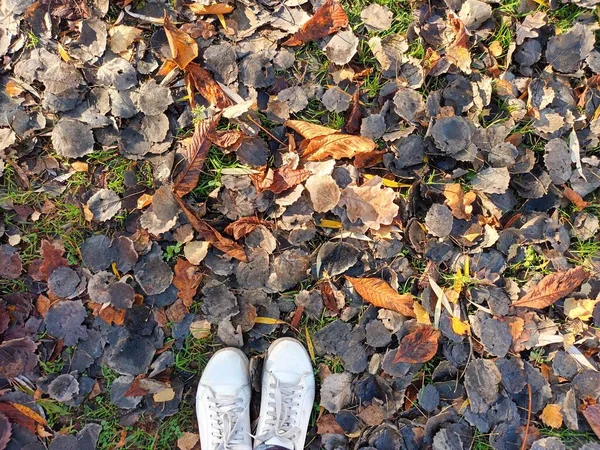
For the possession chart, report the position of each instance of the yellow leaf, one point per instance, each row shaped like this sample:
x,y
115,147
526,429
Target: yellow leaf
x,y
143,201
496,48
63,53
327,223
458,281
579,309
270,321
222,21
215,8
79,166
381,294
309,344
421,314
337,146
29,413
87,213
460,327
165,395
551,416
388,183
466,268
115,270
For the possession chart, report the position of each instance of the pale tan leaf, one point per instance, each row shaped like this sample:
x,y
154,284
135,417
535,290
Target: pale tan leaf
x,y
337,146
309,130
459,201
579,309
551,416
215,8
372,203
165,395
379,293
122,36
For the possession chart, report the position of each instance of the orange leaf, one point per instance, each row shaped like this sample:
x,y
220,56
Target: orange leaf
x,y
244,226
575,198
108,313
337,146
309,130
30,413
552,288
286,178
183,47
459,201
211,235
551,416
379,293
187,279
195,154
419,346
216,8
206,86
328,19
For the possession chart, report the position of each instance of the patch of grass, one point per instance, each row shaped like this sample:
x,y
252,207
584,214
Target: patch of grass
x,y
533,262
12,286
210,178
401,9
56,412
481,441
315,64
114,168
52,367
32,40
194,354
315,112
583,252
570,438
565,16
172,251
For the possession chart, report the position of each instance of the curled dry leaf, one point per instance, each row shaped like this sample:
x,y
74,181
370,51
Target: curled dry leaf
x,y
372,203
337,146
575,198
419,346
184,48
552,288
309,130
215,8
200,79
187,279
328,19
459,201
381,294
245,226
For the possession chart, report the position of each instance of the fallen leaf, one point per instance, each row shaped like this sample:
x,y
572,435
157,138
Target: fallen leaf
x,y
419,346
552,288
326,424
211,235
328,19
187,279
368,159
575,198
270,321
184,48
165,395
371,203
592,415
200,329
459,201
215,8
459,327
52,259
285,178
381,294
336,146
244,226
188,441
579,309
551,416
421,314
195,155
309,130
204,83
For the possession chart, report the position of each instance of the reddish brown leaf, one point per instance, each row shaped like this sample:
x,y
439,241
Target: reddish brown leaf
x,y
354,115
51,259
419,346
204,83
552,288
187,279
135,390
368,159
328,296
575,198
286,178
228,139
16,416
195,155
297,316
328,19
184,48
592,415
244,226
382,295
211,235
108,313
326,424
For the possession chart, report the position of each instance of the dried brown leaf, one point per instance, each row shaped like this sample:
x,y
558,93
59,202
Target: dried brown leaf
x,y
459,201
309,130
551,416
372,203
51,259
204,83
381,294
328,19
575,198
552,288
187,279
592,415
337,146
215,8
419,346
184,48
244,226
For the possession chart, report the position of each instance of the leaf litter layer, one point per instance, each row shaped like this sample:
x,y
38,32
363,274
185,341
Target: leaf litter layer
x,y
408,188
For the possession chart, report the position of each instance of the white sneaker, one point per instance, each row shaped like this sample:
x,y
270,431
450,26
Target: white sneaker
x,y
223,402
288,393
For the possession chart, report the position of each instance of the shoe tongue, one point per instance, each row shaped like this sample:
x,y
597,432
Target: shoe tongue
x,y
285,443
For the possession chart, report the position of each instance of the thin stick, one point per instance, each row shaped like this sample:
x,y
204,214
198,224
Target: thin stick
x,y
528,418
263,128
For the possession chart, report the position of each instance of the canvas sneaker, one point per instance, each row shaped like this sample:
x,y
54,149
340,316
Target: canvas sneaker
x,y
223,402
288,393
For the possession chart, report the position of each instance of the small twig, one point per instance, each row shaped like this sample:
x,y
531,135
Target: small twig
x,y
263,128
524,444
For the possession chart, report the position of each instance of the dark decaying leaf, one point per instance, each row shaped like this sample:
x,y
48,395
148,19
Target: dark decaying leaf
x,y
211,235
592,415
418,346
195,155
51,259
354,115
5,431
17,357
382,295
10,262
328,19
552,288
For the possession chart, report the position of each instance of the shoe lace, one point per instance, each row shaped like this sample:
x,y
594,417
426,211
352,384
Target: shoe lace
x,y
283,407
225,413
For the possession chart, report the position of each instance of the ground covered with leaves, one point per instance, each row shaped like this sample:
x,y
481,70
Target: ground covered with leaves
x,y
407,187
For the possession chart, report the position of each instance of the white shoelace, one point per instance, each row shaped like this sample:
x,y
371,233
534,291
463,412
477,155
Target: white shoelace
x,y
283,407
225,413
